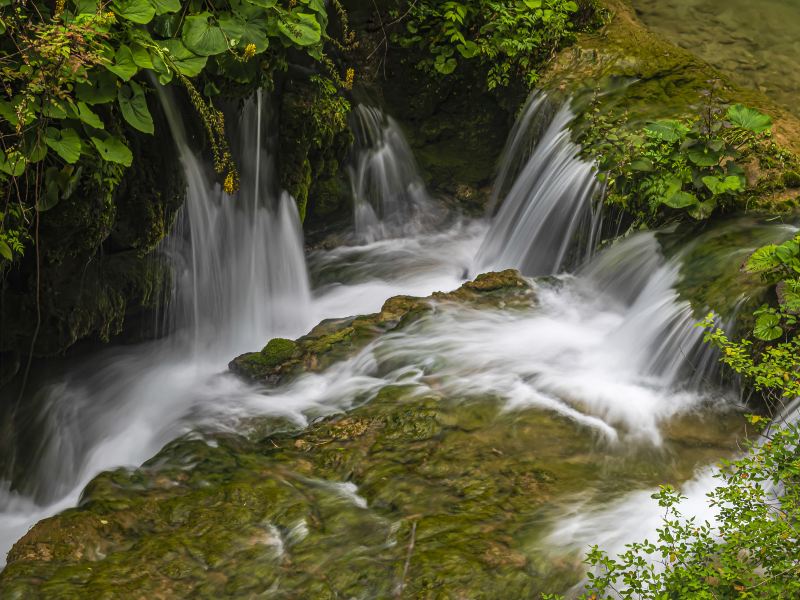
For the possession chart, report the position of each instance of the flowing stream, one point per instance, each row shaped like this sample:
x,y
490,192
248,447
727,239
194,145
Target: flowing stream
x,y
611,346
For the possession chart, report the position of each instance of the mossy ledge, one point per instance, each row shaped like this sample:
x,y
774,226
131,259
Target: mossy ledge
x,y
335,339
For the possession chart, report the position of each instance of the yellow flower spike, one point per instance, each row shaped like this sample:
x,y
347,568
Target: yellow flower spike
x,y
249,51
230,183
349,77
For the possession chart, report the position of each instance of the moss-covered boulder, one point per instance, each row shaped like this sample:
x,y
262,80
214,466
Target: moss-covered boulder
x,y
335,339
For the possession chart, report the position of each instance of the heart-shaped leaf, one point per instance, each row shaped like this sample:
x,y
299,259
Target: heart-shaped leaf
x,y
137,11
112,149
65,142
133,104
203,38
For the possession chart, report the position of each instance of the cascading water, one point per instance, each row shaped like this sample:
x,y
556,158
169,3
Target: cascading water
x,y
241,279
389,196
550,201
611,350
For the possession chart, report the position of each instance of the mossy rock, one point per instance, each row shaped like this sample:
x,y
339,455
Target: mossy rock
x,y
335,339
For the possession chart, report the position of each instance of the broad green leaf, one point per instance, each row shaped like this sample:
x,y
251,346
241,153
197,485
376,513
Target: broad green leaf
x,y
87,115
722,185
245,31
124,66
112,149
748,118
166,6
55,109
762,260
136,11
13,163
768,327
667,130
642,164
101,88
468,49
445,66
533,4
787,251
704,156
65,143
141,57
8,111
201,37
301,28
680,200
52,188
185,60
133,104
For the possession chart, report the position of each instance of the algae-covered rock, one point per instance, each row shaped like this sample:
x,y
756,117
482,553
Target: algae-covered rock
x,y
335,339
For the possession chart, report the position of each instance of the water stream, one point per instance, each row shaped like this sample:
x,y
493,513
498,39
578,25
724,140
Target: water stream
x,y
610,347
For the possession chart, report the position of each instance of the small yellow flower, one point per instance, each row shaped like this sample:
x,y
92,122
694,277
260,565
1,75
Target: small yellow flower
x,y
230,183
249,51
349,77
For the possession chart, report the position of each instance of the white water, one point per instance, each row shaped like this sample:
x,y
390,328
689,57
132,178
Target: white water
x,y
389,197
610,348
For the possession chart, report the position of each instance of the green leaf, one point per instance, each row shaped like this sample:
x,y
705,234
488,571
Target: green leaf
x,y
55,109
533,4
87,115
768,327
748,118
136,11
642,164
5,251
468,49
680,200
245,31
65,142
133,104
301,28
188,63
444,65
101,88
141,57
262,3
704,156
166,6
762,260
722,185
124,66
201,37
667,130
13,163
112,149
789,295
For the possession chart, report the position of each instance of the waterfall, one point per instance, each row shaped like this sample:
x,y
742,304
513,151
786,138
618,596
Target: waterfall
x,y
245,275
240,279
390,199
549,205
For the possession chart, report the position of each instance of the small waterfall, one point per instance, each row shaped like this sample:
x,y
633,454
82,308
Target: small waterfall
x,y
549,206
245,276
390,198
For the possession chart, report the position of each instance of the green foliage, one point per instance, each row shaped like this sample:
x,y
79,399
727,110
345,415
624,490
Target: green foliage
x,y
511,38
73,72
779,265
672,167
